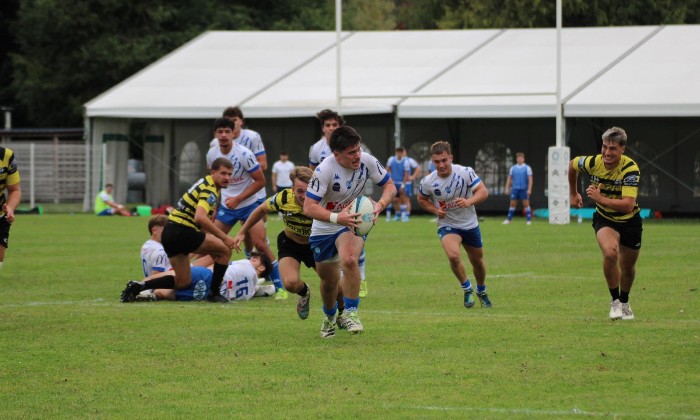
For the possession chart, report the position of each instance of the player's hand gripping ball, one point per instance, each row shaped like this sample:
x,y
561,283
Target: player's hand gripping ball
x,y
365,207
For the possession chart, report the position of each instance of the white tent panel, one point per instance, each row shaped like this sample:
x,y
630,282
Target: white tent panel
x,y
373,63
213,71
518,62
661,78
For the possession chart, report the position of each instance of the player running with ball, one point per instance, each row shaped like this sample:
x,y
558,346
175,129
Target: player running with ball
x,y
336,182
451,192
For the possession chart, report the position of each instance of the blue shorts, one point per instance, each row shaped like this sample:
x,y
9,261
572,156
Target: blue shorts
x,y
323,246
106,212
471,237
230,217
519,195
199,288
408,189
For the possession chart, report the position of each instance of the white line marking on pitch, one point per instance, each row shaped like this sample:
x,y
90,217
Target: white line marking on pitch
x,y
527,411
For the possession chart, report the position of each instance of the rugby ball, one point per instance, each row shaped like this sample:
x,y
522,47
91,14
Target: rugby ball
x,y
365,207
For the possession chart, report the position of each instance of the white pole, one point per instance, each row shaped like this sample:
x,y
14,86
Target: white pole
x,y
559,133
338,30
558,156
32,174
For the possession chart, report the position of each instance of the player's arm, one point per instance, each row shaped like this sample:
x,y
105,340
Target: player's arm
x,y
509,180
262,161
479,194
14,195
314,210
201,217
416,173
529,185
258,183
426,204
388,194
274,179
574,196
622,204
256,216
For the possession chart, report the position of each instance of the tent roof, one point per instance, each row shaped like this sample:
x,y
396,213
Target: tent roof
x,y
623,71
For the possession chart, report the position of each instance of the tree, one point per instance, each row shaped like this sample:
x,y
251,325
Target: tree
x,y
68,55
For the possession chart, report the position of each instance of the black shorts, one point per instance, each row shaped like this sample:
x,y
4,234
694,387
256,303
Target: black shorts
x,y
4,232
180,239
289,248
630,231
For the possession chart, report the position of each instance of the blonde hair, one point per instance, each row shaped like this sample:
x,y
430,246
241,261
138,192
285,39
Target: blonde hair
x,y
302,173
615,135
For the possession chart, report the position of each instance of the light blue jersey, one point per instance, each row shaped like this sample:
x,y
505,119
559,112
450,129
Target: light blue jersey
x,y
520,175
399,169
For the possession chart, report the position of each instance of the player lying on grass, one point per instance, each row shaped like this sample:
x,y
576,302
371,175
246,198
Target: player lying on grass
x,y
240,281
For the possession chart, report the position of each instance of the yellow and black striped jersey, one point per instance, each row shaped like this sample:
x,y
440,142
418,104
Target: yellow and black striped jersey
x,y
9,174
292,213
204,193
622,181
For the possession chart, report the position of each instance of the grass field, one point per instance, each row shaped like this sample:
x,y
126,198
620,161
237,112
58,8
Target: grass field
x,y
546,349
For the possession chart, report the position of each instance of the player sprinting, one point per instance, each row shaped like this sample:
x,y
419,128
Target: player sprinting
x,y
614,186
451,192
336,182
330,120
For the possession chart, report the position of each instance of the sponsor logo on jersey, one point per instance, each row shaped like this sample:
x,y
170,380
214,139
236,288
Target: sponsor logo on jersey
x,y
631,180
336,186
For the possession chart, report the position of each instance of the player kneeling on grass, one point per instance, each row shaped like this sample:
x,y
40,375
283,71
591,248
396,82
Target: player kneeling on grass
x,y
337,181
451,192
240,281
183,235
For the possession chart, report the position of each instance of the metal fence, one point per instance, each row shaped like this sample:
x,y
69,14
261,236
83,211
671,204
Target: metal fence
x,y
51,172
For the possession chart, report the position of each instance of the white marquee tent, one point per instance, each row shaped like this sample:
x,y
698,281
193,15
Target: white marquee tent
x,y
649,71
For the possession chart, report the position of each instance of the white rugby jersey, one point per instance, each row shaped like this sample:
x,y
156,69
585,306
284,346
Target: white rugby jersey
x,y
319,151
443,192
252,141
243,277
153,258
244,163
334,187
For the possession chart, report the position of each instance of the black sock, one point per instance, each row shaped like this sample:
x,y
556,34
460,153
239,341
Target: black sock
x,y
303,290
615,293
624,296
165,282
218,278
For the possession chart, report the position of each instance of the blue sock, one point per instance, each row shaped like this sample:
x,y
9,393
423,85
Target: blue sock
x,y
351,304
275,276
330,312
511,212
466,285
528,213
480,288
247,253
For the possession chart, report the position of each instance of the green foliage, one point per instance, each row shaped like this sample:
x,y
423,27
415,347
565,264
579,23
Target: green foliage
x,y
546,348
370,15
